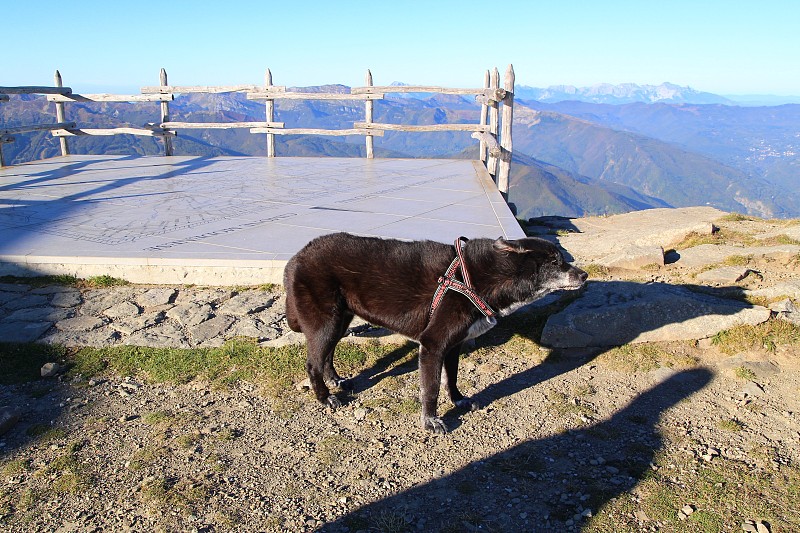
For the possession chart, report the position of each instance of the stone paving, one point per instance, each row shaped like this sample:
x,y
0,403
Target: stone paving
x,y
181,317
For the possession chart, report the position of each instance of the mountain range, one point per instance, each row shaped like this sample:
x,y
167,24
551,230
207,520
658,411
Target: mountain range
x,y
571,157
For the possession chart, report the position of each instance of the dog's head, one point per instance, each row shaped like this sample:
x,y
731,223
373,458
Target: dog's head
x,y
539,264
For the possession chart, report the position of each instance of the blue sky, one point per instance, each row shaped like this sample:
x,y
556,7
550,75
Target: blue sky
x,y
726,47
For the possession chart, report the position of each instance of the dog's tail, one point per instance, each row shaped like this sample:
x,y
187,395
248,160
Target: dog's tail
x,y
291,305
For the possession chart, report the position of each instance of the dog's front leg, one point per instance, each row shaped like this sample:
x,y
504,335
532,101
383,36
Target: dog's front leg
x,y
450,377
430,373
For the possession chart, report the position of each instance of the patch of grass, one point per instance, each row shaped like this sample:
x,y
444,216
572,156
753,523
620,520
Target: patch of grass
x,y
331,449
737,217
15,467
777,240
156,417
390,522
187,440
99,282
42,281
182,494
644,357
723,493
408,406
22,362
729,424
767,335
651,267
743,372
737,260
595,270
45,433
66,473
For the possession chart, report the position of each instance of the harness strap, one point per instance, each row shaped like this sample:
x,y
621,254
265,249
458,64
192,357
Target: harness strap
x,y
449,282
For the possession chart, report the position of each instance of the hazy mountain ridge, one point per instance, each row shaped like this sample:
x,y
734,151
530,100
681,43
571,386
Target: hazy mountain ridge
x,y
625,93
570,158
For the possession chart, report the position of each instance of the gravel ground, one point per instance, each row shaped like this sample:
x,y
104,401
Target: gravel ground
x,y
559,436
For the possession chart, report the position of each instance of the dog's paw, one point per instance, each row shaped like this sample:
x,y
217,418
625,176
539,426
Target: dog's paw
x,y
435,424
344,383
468,404
333,402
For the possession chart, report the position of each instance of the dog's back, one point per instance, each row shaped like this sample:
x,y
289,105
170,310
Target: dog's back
x,y
342,272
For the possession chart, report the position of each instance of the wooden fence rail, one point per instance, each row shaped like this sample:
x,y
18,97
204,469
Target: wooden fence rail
x,y
493,130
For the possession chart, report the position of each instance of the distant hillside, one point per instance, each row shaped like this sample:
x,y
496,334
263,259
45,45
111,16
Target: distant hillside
x,y
605,93
538,189
651,167
760,141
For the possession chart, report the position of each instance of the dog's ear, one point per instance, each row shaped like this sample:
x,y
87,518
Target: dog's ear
x,y
502,245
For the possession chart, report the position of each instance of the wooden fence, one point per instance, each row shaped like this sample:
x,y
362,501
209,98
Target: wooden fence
x,y
493,130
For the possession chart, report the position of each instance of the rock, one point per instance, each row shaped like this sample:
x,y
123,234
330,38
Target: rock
x,y
634,257
616,313
164,335
129,325
761,527
190,314
156,296
81,323
789,289
250,327
100,337
600,237
69,298
724,275
23,331
686,511
211,328
39,314
303,385
8,418
25,301
749,526
291,337
247,302
49,370
122,310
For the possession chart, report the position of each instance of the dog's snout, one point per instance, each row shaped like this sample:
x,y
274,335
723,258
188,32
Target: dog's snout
x,y
582,276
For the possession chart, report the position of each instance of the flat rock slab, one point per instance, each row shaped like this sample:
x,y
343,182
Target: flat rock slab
x,y
601,237
789,289
615,313
724,275
709,254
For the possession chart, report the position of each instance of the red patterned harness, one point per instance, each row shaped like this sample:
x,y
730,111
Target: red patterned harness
x,y
448,282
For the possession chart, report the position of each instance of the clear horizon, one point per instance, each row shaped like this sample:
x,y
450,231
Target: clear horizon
x,y
713,46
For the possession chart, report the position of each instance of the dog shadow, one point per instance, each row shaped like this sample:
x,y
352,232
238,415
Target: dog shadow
x,y
540,484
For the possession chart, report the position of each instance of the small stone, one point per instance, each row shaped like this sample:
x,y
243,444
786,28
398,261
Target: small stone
x,y
8,418
641,516
687,509
761,527
612,470
360,413
49,370
749,526
128,418
303,385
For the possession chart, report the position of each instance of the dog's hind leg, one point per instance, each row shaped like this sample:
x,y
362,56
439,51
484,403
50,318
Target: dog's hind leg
x,y
449,378
331,376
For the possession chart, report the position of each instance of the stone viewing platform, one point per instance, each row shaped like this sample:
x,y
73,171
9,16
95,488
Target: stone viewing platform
x,y
228,220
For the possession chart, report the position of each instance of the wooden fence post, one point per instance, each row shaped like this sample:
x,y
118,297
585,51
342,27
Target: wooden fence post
x,y
493,119
368,115
165,114
60,116
270,114
484,115
505,136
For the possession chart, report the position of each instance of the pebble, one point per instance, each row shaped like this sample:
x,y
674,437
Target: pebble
x,y
686,511
49,370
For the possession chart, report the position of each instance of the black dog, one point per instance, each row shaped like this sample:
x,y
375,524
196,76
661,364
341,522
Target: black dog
x,y
405,287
